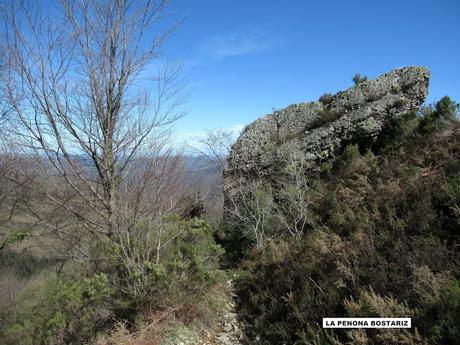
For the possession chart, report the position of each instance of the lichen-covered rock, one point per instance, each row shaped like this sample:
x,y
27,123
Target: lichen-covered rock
x,y
317,131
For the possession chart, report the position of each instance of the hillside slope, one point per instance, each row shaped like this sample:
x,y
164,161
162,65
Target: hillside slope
x,y
377,233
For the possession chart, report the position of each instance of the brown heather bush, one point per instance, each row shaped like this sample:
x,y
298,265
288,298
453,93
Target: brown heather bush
x,y
381,240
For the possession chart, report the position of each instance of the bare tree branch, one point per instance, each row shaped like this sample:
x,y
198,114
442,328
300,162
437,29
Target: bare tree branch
x,y
82,105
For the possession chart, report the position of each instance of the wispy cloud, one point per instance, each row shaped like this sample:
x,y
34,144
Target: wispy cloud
x,y
237,43
193,138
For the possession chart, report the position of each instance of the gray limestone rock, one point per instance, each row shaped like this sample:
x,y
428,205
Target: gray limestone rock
x,y
319,130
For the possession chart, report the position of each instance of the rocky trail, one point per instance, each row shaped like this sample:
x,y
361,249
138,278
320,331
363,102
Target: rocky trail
x,y
229,330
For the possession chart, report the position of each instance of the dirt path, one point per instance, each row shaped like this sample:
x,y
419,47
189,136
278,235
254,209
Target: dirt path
x,y
229,330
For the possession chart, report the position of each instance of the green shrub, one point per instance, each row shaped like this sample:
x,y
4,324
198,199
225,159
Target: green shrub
x,y
372,96
383,240
435,117
358,79
70,311
133,274
324,117
399,103
349,154
439,317
159,262
446,107
24,265
13,238
326,98
400,131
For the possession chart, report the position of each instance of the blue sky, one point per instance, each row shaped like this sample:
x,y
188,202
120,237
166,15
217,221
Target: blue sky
x,y
244,58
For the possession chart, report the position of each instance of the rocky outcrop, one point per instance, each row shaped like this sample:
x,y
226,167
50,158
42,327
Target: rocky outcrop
x,y
317,131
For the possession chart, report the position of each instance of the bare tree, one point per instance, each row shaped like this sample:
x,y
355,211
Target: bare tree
x,y
7,205
250,209
12,197
215,146
153,189
212,150
83,104
295,194
263,210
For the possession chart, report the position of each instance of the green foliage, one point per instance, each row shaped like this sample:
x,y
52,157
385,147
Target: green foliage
x,y
128,278
400,103
397,133
192,262
316,335
325,116
446,107
70,312
15,237
372,96
25,265
433,117
358,79
162,263
383,241
326,98
350,154
440,317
